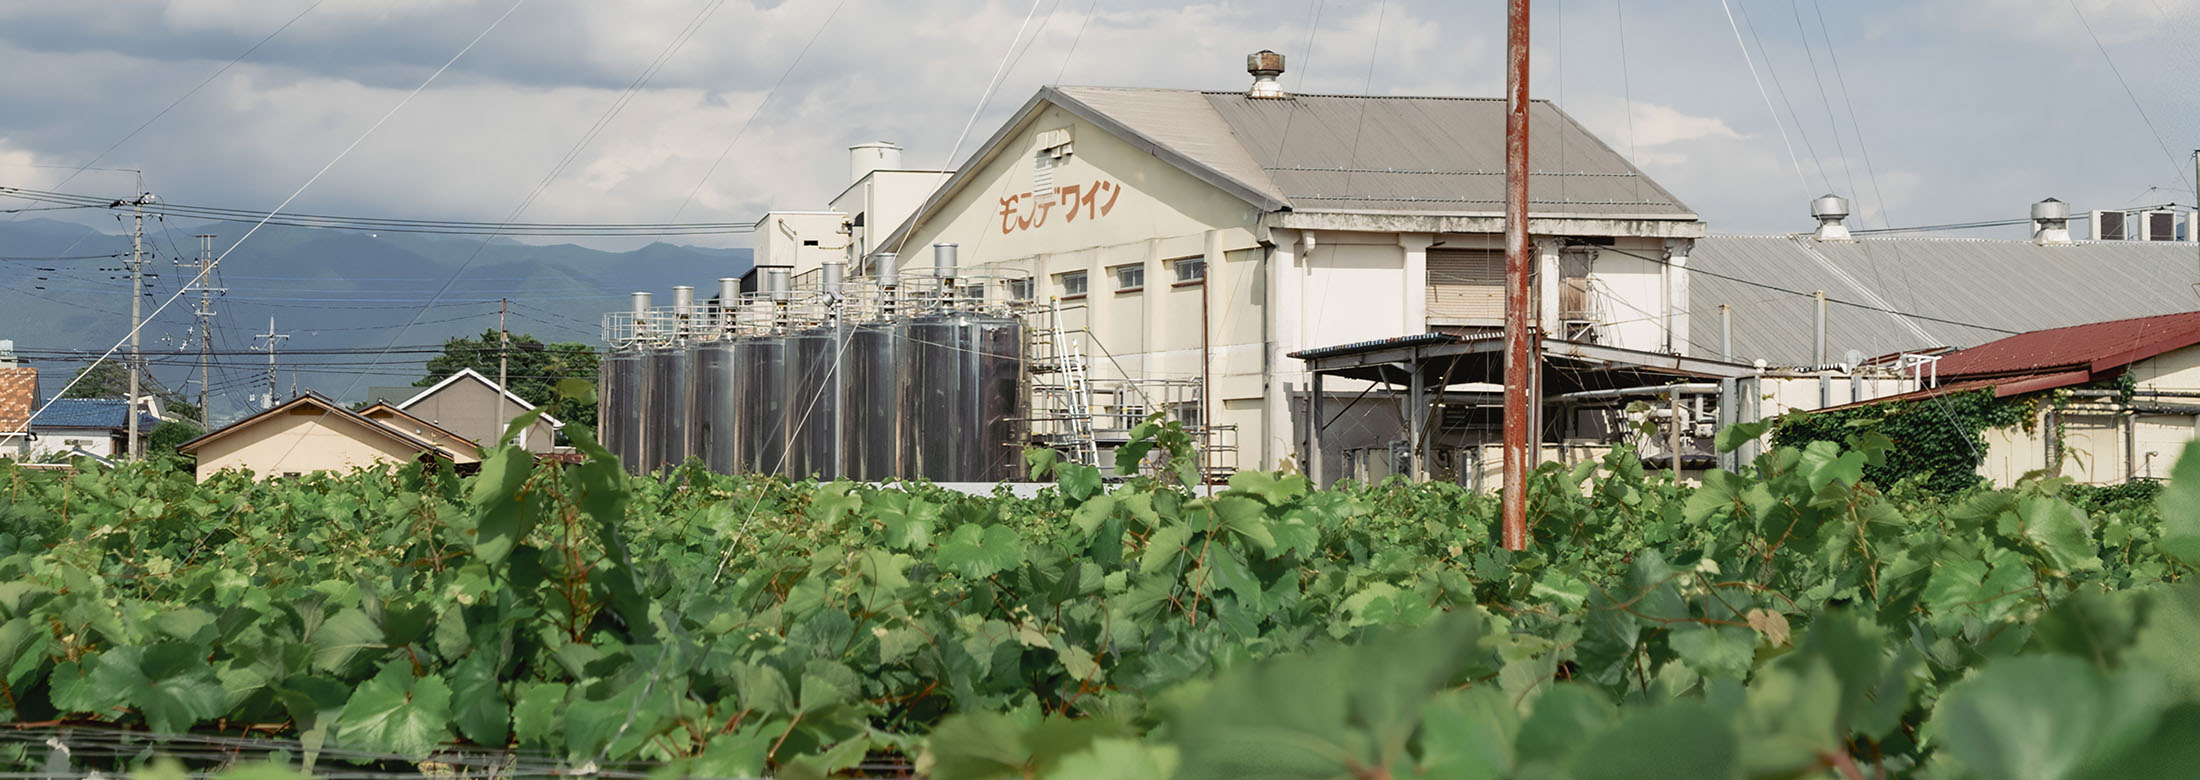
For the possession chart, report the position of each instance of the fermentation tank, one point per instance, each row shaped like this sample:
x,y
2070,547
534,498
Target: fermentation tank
x,y
672,391
629,421
716,426
606,388
763,365
813,404
967,376
875,437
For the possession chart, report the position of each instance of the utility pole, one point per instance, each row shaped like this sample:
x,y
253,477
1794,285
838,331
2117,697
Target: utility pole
x,y
137,302
273,339
205,313
1523,356
504,349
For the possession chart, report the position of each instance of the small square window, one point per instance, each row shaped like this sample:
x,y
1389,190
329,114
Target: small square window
x,y
1190,269
1072,284
1020,289
1129,277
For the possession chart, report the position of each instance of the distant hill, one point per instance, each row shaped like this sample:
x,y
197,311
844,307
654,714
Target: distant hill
x,y
329,289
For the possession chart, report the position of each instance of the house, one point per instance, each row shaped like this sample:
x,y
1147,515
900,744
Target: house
x,y
313,433
18,398
1193,240
2084,427
98,426
478,409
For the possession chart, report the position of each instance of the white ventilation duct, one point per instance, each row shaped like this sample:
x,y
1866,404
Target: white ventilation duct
x,y
1830,211
2051,222
1265,66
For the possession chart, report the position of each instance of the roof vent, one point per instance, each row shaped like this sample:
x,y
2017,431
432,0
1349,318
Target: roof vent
x,y
2051,222
1265,66
1830,210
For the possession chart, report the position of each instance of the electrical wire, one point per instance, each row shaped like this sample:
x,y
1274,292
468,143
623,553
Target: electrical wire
x,y
1752,62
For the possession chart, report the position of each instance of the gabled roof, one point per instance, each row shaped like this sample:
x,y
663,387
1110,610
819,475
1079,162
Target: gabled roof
x,y
2096,348
110,414
468,373
1915,293
328,407
1419,156
383,407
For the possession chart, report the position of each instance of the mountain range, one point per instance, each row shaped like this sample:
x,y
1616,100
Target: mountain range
x,y
65,298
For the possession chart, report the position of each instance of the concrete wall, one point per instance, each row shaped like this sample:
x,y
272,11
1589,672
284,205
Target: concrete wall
x,y
97,441
298,441
782,238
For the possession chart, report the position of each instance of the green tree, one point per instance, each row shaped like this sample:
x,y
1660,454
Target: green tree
x,y
533,369
104,379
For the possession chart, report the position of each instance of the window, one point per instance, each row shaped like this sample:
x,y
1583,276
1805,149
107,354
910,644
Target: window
x,y
971,292
1019,289
1129,278
1072,284
1189,270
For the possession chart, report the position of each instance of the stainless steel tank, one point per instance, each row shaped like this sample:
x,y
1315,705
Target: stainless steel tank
x,y
672,393
763,363
814,403
967,376
716,425
875,441
606,387
629,419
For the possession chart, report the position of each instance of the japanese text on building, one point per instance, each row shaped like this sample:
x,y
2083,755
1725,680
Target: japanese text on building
x,y
1027,211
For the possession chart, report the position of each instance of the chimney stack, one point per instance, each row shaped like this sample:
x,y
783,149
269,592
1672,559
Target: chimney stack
x,y
2051,223
1830,210
1265,66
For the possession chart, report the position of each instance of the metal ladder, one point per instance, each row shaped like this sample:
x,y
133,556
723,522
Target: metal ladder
x,y
1067,360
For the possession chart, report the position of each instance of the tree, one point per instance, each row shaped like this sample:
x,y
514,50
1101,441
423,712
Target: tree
x,y
104,379
533,370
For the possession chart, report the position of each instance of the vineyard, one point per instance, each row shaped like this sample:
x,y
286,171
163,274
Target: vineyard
x,y
1788,621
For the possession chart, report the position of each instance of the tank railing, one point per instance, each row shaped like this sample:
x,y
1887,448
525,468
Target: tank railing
x,y
862,300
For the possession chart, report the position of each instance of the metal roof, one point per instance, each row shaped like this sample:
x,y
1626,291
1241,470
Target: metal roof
x,y
2096,347
1434,155
1417,155
110,414
1907,294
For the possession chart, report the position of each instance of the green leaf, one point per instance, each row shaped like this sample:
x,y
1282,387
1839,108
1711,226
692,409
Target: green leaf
x,y
398,714
1686,739
1077,481
1163,548
2060,532
535,716
976,746
503,514
2180,508
979,552
1089,515
1272,487
1117,759
482,714
1732,437
1469,734
1716,651
2045,716
1565,716
341,637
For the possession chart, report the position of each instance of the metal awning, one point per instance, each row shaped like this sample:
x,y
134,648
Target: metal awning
x,y
1449,359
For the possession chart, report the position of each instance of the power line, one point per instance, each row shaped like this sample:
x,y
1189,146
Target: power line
x,y
389,224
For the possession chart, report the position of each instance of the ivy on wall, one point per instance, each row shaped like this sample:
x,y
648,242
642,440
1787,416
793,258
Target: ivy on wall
x,y
1939,440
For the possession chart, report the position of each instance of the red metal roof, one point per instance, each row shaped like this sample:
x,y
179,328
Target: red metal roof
x,y
2092,348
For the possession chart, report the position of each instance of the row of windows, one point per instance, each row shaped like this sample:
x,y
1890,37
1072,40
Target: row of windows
x,y
1132,277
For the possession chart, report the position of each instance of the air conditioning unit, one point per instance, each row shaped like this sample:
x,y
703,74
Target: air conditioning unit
x,y
2158,225
2110,226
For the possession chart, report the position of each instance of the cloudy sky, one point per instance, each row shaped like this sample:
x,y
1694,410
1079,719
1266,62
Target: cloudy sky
x,y
1925,112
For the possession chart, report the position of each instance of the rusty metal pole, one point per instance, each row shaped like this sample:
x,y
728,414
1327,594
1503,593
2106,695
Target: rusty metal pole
x,y
1521,352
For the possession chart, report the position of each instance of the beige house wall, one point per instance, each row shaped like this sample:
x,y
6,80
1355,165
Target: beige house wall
x,y
470,409
2105,449
301,440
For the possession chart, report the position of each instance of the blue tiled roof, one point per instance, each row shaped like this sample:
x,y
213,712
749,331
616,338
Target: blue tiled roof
x,y
78,413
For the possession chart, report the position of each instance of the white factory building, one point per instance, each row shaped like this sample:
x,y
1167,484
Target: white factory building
x,y
1194,240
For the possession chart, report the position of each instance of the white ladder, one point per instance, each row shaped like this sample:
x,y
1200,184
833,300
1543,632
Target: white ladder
x,y
1069,361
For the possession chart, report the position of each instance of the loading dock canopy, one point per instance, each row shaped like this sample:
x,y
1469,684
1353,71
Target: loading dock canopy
x,y
1447,359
